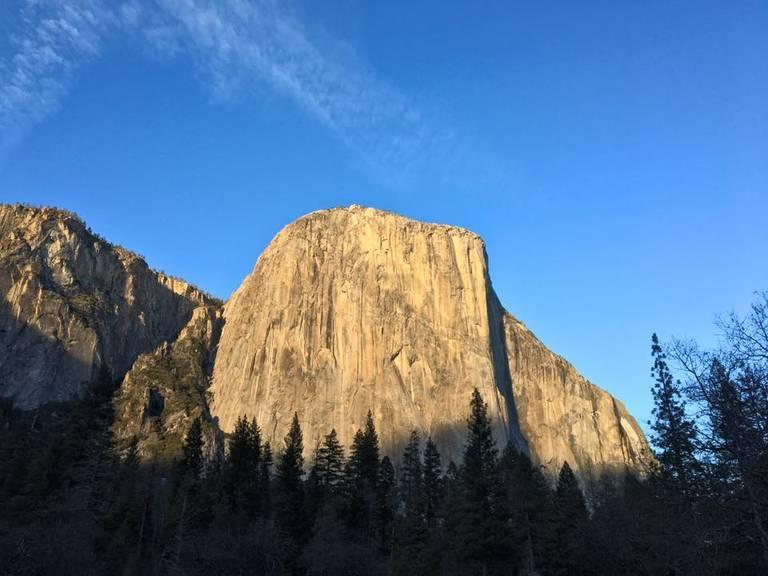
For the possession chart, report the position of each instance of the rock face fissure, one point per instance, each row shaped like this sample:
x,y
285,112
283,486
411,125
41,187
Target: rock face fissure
x,y
501,368
347,310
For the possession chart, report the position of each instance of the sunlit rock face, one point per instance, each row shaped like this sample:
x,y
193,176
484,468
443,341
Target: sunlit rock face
x,y
347,310
75,309
355,309
564,417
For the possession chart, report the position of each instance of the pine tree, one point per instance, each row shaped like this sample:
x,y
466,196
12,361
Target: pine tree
x,y
385,504
411,479
367,456
192,462
571,520
432,508
243,479
569,497
412,532
479,527
313,494
244,448
265,478
480,451
674,434
362,476
329,464
433,485
289,492
531,509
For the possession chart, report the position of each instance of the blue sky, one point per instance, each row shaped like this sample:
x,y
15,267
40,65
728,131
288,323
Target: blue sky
x,y
614,155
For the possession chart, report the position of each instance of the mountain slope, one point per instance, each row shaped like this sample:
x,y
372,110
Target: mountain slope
x,y
74,308
565,417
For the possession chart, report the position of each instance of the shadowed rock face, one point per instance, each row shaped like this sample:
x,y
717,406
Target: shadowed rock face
x,y
74,308
355,309
166,389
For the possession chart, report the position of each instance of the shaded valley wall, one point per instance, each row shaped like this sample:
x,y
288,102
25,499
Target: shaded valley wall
x,y
74,308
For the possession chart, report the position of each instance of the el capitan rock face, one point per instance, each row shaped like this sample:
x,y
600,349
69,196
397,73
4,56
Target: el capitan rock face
x,y
355,309
563,416
347,310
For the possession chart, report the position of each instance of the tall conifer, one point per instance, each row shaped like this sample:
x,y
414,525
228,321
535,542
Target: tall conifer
x,y
289,491
674,433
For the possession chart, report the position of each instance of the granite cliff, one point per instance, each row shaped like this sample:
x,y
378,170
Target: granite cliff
x,y
347,310
355,309
74,307
563,416
76,310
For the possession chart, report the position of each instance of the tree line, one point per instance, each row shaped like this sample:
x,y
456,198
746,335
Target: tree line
x,y
494,513
70,505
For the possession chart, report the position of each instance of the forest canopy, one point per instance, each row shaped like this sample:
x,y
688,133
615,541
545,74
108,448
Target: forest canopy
x,y
72,503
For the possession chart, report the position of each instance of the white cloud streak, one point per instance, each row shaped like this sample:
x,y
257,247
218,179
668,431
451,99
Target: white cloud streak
x,y
51,40
238,45
237,42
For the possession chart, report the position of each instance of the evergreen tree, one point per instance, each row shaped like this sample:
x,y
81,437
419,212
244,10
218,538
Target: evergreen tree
x,y
244,484
265,478
365,452
411,479
329,464
192,462
362,476
385,504
244,450
433,485
412,532
569,497
289,492
571,520
531,509
674,434
479,527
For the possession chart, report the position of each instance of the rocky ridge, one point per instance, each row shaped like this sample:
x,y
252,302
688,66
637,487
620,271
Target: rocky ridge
x,y
565,417
167,388
76,311
74,308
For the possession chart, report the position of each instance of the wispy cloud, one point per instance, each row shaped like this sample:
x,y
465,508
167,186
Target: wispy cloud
x,y
49,42
238,45
238,42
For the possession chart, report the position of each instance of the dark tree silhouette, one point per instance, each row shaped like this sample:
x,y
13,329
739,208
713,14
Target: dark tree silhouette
x,y
478,519
289,491
192,462
674,433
